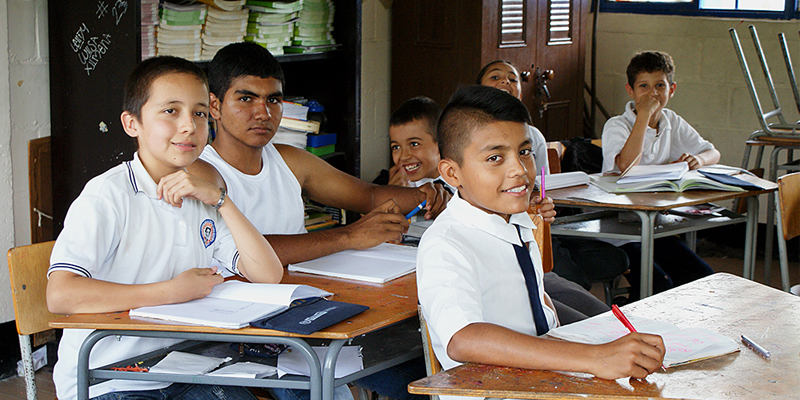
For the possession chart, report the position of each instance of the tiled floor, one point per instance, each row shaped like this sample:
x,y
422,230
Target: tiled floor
x,y
721,259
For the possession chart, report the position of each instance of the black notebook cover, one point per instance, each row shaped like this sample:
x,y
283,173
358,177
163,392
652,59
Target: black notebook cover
x,y
730,180
307,316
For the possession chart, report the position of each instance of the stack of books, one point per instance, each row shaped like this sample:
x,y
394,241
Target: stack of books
x,y
313,31
178,34
222,28
271,23
319,217
322,144
149,22
295,126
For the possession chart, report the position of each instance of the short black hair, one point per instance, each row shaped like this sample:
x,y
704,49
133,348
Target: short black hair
x,y
485,69
418,109
470,108
651,61
241,59
137,88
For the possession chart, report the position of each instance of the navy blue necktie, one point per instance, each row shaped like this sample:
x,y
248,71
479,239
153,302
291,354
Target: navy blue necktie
x,y
526,264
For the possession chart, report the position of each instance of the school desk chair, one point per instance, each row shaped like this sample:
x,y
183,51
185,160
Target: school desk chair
x,y
27,267
787,59
780,135
787,208
432,365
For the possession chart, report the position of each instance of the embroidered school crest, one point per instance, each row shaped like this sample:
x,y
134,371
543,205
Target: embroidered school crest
x,y
208,232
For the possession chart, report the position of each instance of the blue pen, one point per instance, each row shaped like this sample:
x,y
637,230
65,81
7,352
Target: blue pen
x,y
416,209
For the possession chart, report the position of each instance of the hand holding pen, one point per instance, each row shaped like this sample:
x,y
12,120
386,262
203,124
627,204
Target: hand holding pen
x,y
622,318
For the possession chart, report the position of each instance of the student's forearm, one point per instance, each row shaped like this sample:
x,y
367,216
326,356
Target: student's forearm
x,y
68,293
298,248
492,344
633,146
710,156
258,261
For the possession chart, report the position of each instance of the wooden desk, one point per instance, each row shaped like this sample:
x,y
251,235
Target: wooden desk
x,y
721,302
389,303
647,206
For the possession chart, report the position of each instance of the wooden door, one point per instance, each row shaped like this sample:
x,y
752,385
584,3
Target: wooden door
x,y
539,36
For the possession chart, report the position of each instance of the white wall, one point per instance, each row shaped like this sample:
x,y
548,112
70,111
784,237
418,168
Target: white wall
x,y
376,50
24,115
711,93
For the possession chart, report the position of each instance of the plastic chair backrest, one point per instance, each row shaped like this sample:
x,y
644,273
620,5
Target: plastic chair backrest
x,y
432,365
789,202
28,266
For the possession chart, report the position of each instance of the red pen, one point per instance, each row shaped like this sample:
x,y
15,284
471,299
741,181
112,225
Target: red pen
x,y
622,318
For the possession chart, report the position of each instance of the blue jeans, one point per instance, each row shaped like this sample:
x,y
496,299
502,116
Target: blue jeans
x,y
339,393
183,391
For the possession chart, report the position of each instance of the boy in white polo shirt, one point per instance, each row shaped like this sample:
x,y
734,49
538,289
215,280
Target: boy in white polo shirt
x,y
479,277
145,232
650,134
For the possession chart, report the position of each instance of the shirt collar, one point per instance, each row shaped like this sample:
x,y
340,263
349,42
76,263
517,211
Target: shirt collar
x,y
663,121
492,224
141,181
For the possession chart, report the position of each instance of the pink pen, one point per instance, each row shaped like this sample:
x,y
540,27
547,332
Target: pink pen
x,y
542,188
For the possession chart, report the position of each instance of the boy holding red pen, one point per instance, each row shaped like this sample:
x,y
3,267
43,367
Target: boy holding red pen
x,y
479,271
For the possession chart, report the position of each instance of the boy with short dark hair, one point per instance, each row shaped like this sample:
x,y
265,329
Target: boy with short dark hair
x,y
479,278
145,232
650,134
412,135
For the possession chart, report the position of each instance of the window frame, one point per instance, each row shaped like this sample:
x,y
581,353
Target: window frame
x,y
693,9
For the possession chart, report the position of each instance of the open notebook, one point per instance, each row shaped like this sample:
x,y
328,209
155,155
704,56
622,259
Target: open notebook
x,y
379,264
684,346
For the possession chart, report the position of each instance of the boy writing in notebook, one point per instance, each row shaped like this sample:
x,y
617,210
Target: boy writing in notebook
x,y
650,134
479,277
145,232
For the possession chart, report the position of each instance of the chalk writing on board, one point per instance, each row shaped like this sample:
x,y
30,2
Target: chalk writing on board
x,y
120,7
90,50
102,9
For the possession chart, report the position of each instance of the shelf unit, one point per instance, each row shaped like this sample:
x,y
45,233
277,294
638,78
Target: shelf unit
x,y
93,48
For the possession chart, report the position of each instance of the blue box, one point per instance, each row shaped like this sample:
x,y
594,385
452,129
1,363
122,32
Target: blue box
x,y
321,140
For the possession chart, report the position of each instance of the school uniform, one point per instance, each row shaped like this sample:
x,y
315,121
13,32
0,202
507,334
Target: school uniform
x,y
674,137
673,262
539,147
450,189
468,272
118,231
272,199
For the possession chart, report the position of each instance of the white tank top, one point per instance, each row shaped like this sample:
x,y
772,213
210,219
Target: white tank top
x,y
271,200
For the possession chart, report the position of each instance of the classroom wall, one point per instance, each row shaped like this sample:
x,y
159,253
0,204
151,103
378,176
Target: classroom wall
x,y
711,93
24,115
376,50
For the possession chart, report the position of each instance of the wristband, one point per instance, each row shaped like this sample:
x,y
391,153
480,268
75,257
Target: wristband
x,y
221,199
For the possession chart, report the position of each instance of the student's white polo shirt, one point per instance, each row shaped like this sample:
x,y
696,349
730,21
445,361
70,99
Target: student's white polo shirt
x,y
674,137
118,231
467,272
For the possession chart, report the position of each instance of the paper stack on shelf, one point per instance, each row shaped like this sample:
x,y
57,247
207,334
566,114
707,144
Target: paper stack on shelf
x,y
223,28
313,31
294,126
149,22
271,23
178,34
225,5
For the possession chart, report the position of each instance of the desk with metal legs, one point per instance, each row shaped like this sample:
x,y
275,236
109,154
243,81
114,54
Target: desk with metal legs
x,y
390,304
647,206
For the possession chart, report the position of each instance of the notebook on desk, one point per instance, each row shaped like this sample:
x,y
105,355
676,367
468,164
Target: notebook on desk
x,y
379,264
684,345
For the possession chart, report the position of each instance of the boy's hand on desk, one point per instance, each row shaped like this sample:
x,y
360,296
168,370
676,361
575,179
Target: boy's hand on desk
x,y
694,161
545,208
635,354
436,198
383,224
176,186
398,177
195,283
